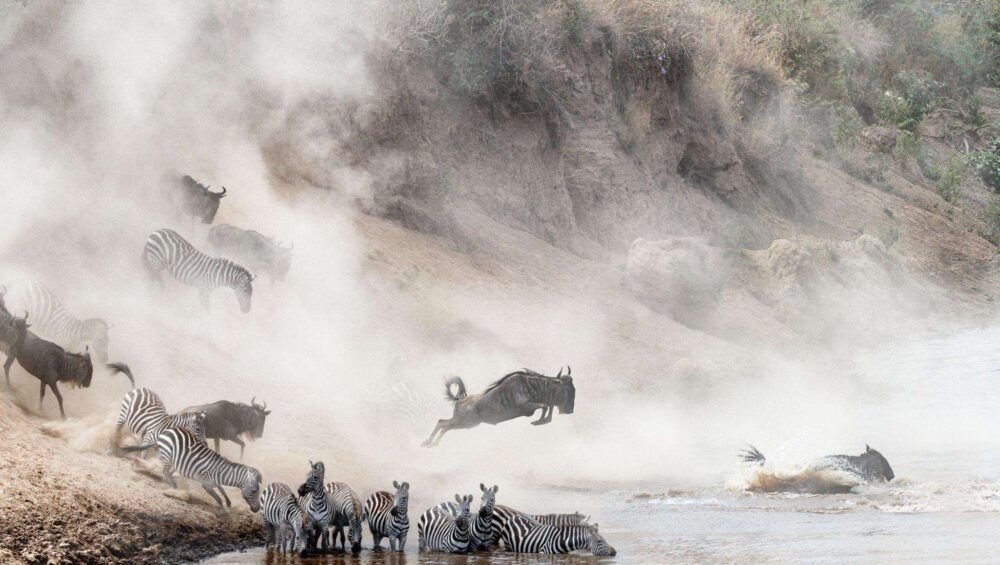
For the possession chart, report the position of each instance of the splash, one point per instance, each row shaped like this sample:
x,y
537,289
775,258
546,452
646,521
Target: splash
x,y
807,481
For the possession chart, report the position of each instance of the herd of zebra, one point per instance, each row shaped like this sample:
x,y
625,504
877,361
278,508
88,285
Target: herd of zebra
x,y
315,514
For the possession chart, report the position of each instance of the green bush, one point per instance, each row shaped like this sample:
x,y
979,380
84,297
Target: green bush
x,y
991,223
846,128
986,164
952,173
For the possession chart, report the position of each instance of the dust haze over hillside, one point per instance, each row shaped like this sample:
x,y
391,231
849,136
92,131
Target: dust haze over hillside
x,y
397,283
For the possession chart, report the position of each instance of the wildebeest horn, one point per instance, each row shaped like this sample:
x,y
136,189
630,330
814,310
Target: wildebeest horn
x,y
559,374
252,403
223,193
25,315
569,370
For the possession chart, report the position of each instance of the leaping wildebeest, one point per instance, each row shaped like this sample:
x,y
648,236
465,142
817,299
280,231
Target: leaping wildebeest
x,y
517,394
199,201
229,420
255,250
51,364
869,467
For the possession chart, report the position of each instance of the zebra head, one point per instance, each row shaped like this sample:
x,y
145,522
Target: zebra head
x,y
596,542
488,501
250,487
400,500
462,514
244,289
196,423
314,480
96,331
567,391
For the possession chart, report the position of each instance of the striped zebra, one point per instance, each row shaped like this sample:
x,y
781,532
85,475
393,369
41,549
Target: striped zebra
x,y
502,514
438,530
316,505
144,415
482,524
180,450
346,513
51,320
521,534
282,517
386,514
166,249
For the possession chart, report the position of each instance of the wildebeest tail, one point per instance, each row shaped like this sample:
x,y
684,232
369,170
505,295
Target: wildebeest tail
x,y
461,389
122,368
752,455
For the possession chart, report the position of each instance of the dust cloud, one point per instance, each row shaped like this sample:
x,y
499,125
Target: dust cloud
x,y
103,104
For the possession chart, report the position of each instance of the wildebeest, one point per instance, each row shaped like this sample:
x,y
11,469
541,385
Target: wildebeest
x,y
870,466
229,420
199,201
51,364
53,321
517,394
12,329
257,251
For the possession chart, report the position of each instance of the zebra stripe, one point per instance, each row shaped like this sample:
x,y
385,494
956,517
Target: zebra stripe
x,y
521,534
282,517
346,513
146,416
387,516
167,250
574,519
502,514
316,505
51,320
482,524
181,451
438,530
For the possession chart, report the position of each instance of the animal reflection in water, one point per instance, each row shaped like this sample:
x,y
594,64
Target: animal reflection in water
x,y
517,394
828,475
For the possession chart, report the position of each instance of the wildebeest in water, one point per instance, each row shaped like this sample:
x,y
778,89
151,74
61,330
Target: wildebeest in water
x,y
229,420
517,394
255,250
825,475
199,201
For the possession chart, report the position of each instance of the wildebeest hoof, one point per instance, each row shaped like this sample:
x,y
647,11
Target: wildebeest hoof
x,y
427,443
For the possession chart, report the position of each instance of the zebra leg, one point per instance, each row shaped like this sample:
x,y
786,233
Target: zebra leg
x,y
228,503
402,543
55,391
168,474
377,542
210,489
216,440
269,534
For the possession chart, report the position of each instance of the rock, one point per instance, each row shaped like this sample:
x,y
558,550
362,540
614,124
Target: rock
x,y
681,277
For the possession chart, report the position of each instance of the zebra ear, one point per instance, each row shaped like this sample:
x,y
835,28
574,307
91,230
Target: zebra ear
x,y
868,448
482,487
395,485
496,488
406,485
459,499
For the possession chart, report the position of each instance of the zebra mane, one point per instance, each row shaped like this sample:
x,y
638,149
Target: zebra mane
x,y
523,372
241,268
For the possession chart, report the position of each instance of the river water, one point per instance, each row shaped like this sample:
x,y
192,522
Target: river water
x,y
942,394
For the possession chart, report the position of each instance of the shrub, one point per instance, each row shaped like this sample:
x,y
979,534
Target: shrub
x,y
889,234
952,173
846,128
986,164
991,223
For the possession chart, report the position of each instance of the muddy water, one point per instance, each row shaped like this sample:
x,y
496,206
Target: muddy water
x,y
941,396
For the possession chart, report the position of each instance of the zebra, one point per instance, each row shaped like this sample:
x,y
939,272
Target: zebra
x,y
145,415
180,450
482,525
346,512
282,516
438,530
521,534
503,514
316,505
386,514
166,249
53,321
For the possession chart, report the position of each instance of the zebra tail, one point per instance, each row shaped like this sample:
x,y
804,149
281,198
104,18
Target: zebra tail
x,y
461,389
131,448
122,368
752,455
